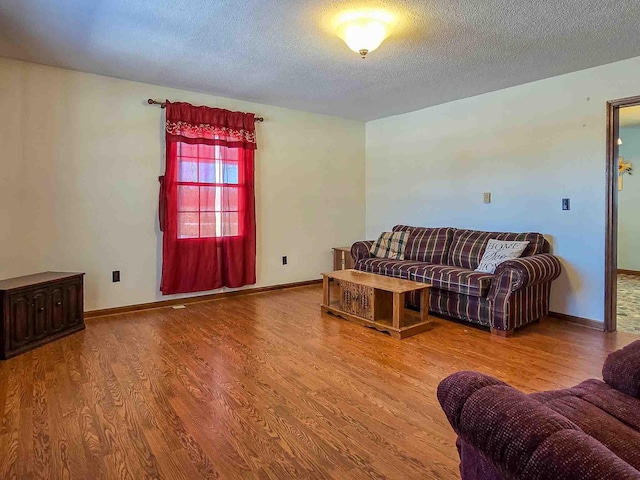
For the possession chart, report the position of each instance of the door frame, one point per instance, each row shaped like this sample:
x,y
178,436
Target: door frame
x,y
611,236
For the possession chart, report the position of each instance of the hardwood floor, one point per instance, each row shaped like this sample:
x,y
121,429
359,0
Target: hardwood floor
x,y
261,386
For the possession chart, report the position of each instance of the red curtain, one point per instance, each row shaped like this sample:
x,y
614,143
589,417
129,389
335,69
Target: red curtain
x,y
207,204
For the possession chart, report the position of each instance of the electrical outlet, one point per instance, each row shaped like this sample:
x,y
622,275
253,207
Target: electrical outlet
x,y
487,197
115,276
284,260
566,204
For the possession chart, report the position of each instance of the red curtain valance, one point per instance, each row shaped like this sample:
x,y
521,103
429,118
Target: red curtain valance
x,y
213,126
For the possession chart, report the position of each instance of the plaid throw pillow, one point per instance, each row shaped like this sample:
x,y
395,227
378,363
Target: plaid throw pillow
x,y
390,245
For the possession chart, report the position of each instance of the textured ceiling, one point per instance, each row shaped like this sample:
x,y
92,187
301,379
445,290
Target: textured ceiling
x,y
282,52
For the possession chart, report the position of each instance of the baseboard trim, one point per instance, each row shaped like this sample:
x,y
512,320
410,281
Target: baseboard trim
x,y
196,299
585,322
629,272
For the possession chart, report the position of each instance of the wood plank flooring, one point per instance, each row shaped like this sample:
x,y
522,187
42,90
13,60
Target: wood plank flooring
x,y
261,386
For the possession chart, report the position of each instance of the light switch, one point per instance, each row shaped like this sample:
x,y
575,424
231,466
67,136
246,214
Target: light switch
x,y
487,197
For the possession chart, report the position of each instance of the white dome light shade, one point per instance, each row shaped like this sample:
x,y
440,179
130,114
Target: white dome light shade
x,y
363,32
363,35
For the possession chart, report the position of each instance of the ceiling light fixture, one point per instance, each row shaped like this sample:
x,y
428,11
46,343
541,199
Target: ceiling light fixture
x,y
364,31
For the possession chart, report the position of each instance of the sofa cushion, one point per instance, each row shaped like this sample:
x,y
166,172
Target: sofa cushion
x,y
429,245
603,413
621,370
467,246
442,277
453,279
385,266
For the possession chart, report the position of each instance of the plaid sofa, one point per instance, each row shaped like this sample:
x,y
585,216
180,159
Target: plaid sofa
x,y
515,295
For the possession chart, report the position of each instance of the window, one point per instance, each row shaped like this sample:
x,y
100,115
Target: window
x,y
208,191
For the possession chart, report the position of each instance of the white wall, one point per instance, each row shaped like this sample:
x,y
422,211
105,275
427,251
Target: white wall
x,y
80,156
629,201
530,146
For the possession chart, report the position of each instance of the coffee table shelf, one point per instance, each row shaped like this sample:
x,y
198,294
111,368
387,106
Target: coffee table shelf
x,y
376,301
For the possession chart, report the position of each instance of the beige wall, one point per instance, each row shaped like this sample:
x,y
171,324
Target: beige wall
x,y
530,146
80,156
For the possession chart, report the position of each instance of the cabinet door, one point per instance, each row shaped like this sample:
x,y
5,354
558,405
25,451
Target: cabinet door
x,y
40,313
58,318
21,325
73,302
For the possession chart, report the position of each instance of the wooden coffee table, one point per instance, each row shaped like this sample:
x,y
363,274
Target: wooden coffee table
x,y
376,301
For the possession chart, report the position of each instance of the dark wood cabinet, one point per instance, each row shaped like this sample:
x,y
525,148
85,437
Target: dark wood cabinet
x,y
37,309
40,313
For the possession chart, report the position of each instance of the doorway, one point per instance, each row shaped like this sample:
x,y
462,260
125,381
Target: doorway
x,y
622,261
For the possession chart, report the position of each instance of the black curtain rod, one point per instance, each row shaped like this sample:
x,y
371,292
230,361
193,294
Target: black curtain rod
x,y
151,101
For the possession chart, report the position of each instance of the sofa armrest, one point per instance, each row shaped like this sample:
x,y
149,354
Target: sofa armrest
x,y
521,437
360,250
524,272
621,369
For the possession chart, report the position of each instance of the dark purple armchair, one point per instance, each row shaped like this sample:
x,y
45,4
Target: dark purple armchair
x,y
587,432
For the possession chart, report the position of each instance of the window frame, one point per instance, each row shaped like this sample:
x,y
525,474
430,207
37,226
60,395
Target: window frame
x,y
218,163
